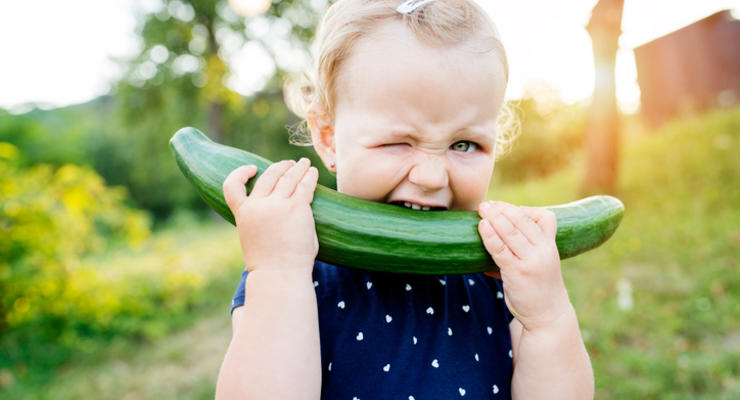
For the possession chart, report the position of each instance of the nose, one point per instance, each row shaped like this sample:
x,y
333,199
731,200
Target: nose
x,y
429,172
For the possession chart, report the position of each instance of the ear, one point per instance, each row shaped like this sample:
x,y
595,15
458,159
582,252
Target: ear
x,y
322,135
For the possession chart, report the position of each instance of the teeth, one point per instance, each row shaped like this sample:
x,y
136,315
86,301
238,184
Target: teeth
x,y
416,206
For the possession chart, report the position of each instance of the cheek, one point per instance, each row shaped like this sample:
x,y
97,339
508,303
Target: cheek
x,y
368,174
470,181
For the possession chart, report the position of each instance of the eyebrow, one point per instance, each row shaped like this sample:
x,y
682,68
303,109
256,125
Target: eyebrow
x,y
479,135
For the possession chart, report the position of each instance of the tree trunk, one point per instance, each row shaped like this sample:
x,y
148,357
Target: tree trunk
x,y
602,134
215,121
215,106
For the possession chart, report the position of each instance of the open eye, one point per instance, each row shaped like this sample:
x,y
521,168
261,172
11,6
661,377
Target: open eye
x,y
464,146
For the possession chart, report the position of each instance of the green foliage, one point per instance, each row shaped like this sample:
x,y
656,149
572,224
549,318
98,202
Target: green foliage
x,y
179,79
78,267
38,144
50,218
184,272
658,302
551,135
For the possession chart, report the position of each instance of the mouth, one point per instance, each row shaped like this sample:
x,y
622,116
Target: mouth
x,y
416,206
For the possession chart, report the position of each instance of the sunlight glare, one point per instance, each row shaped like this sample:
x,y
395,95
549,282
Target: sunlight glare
x,y
248,8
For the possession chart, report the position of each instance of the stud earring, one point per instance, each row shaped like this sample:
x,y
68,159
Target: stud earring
x,y
331,164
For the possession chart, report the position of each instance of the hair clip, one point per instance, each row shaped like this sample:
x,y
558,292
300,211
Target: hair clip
x,y
408,6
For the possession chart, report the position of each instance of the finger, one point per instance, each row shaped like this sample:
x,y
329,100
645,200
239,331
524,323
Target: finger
x,y
235,193
494,245
491,211
544,218
266,182
306,187
522,222
514,239
287,183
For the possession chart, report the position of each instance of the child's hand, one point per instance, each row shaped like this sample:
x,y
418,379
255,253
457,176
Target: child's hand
x,y
275,223
522,242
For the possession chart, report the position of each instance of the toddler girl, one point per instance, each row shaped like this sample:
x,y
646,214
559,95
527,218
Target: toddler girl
x,y
403,106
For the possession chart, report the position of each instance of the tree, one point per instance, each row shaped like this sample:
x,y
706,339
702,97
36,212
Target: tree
x,y
602,135
178,78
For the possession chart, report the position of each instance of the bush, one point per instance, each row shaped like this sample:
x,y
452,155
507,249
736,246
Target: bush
x,y
50,218
658,302
550,137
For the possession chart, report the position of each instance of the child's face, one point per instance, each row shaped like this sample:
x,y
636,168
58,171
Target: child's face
x,y
414,123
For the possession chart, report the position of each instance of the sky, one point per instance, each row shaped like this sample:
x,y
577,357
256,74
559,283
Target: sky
x,y
57,53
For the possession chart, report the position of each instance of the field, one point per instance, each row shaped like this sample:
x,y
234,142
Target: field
x,y
658,304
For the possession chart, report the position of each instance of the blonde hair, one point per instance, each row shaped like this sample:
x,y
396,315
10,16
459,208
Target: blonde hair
x,y
440,22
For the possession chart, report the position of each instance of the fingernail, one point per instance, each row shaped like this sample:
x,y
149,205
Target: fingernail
x,y
485,205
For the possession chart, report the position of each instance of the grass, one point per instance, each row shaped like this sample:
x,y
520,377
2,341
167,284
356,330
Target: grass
x,y
107,365
658,303
183,365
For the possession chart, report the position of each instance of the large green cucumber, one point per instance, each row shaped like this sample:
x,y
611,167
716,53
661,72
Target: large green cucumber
x,y
383,237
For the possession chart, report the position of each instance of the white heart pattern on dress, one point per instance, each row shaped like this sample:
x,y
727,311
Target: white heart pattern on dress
x,y
369,285
499,295
430,311
489,329
359,336
387,367
388,319
466,308
408,287
435,363
495,389
341,304
462,391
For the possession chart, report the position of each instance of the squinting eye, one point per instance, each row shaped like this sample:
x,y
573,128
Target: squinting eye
x,y
395,145
464,146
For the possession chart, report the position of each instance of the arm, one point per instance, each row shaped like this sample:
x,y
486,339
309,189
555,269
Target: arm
x,y
537,352
274,351
550,359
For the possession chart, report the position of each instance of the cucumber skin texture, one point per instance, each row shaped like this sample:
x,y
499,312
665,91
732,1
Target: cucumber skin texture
x,y
382,237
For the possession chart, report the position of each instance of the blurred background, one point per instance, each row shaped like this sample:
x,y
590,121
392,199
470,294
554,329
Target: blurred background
x,y
115,279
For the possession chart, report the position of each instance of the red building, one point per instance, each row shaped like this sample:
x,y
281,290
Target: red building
x,y
694,68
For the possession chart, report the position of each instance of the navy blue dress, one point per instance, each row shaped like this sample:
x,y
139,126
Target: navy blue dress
x,y
410,337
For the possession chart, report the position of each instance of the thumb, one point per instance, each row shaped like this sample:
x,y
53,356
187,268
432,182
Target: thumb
x,y
235,191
